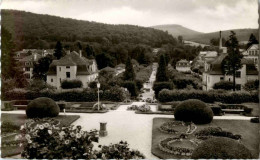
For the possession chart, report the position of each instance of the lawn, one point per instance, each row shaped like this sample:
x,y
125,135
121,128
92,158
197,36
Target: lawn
x,y
248,130
255,107
18,120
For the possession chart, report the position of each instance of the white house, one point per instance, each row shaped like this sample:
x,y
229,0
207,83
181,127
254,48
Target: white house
x,y
27,64
72,66
214,73
252,53
183,66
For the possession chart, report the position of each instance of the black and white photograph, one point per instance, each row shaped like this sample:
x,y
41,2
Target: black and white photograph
x,y
130,79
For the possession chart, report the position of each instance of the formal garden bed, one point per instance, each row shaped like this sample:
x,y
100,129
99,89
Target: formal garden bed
x,y
163,141
11,124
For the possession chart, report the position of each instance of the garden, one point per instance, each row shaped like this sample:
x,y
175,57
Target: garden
x,y
194,134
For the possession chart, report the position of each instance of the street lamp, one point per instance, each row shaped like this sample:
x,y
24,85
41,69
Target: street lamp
x,y
98,86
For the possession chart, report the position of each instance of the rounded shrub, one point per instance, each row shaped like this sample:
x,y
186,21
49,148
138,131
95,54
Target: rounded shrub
x,y
193,110
42,107
221,148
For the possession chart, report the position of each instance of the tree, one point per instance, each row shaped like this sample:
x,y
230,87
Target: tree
x,y
232,62
252,40
180,39
8,63
89,52
41,68
58,50
104,60
161,75
129,73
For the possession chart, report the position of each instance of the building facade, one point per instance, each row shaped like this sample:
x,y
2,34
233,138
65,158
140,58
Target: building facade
x,y
214,73
70,67
183,66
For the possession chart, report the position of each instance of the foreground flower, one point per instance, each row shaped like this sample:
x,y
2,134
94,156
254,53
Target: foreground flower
x,y
27,136
29,141
72,134
50,132
78,135
46,125
41,127
67,142
22,127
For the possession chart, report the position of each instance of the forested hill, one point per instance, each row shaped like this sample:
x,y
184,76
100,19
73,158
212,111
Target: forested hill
x,y
31,30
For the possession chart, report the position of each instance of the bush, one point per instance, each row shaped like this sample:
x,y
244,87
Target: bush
x,y
184,82
226,85
42,107
251,85
208,96
9,126
131,87
68,84
116,94
93,85
158,86
221,148
45,139
254,120
139,84
38,85
194,111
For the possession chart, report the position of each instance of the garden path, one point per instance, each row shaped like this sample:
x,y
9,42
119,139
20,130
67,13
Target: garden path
x,y
150,94
125,125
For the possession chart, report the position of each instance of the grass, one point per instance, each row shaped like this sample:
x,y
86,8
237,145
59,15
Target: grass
x,y
20,119
248,130
255,106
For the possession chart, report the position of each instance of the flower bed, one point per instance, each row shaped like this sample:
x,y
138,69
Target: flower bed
x,y
166,145
168,127
217,132
142,108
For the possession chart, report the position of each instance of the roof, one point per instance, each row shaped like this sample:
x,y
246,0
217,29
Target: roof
x,y
72,59
31,58
216,65
253,46
183,61
211,54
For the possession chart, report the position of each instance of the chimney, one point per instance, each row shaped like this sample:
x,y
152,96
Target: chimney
x,y
220,40
80,53
35,57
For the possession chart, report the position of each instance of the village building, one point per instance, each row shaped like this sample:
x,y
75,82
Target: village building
x,y
183,66
252,53
72,66
27,64
215,74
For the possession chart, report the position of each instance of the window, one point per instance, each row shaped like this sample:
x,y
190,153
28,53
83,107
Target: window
x,y
67,66
27,68
221,78
60,79
208,79
27,75
60,68
229,79
68,74
238,74
51,80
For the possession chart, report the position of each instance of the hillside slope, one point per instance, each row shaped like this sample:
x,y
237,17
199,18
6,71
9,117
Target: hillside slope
x,y
177,30
242,35
27,28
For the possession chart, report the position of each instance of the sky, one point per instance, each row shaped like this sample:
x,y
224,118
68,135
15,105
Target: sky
x,y
200,15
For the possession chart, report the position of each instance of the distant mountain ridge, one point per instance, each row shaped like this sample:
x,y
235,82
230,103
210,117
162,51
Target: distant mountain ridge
x,y
195,36
177,30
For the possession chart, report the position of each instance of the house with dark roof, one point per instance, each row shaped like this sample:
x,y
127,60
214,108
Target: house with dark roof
x,y
183,66
214,73
27,64
72,66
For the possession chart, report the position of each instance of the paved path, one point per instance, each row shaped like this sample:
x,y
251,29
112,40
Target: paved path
x,y
125,125
150,94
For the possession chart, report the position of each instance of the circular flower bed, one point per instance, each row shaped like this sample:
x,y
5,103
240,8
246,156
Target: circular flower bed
x,y
177,146
210,132
171,127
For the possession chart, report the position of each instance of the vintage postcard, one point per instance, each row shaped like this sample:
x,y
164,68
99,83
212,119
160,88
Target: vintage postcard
x,y
130,79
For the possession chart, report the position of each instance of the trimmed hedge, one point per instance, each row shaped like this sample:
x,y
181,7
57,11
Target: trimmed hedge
x,y
158,86
42,107
254,120
114,94
208,96
226,85
68,84
193,110
131,87
221,148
